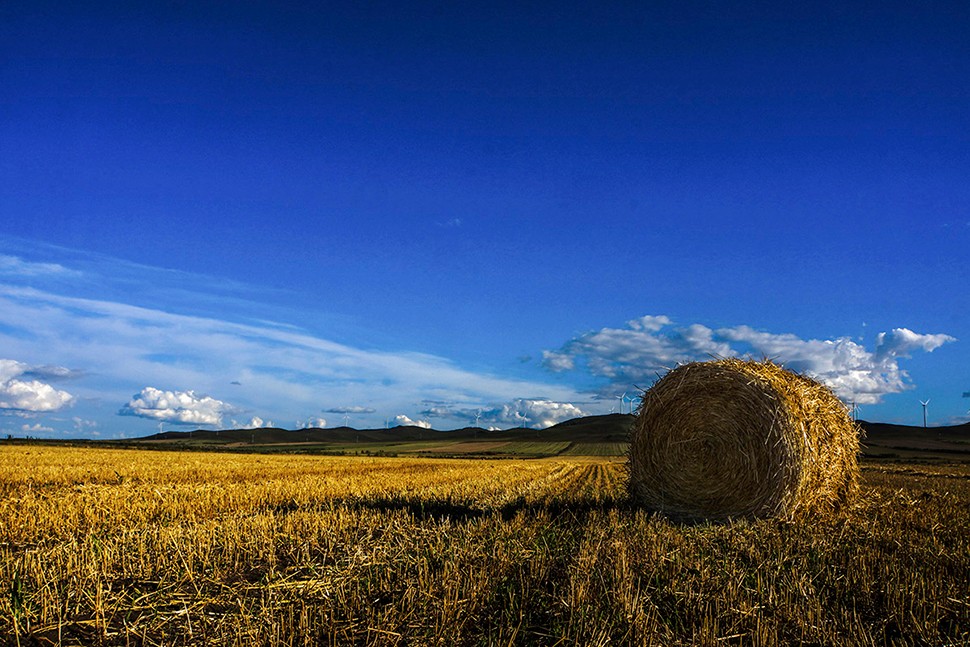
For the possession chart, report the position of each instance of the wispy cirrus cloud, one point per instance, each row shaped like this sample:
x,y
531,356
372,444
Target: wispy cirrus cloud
x,y
18,267
276,370
635,354
53,373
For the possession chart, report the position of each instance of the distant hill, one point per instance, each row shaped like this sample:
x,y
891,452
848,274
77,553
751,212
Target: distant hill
x,y
607,432
883,440
612,427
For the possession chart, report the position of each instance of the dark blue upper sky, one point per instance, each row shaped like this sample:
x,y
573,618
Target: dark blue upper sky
x,y
482,183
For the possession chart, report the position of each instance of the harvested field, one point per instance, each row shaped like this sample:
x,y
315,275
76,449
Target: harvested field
x,y
118,547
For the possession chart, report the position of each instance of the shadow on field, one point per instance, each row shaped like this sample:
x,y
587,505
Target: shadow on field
x,y
462,512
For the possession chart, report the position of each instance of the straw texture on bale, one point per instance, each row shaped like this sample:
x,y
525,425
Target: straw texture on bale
x,y
732,439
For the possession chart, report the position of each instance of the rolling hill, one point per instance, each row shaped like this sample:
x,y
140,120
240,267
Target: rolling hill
x,y
591,435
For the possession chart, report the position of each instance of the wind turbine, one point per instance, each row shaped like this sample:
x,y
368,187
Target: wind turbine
x,y
853,410
622,399
633,399
924,411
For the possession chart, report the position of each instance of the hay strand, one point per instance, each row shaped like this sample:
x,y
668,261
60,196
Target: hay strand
x,y
731,439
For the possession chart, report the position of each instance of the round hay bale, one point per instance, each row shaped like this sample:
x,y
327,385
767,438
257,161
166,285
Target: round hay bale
x,y
732,439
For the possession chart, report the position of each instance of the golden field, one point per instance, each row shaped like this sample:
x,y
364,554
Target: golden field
x,y
119,547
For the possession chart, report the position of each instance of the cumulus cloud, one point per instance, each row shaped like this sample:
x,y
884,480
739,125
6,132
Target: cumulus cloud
x,y
853,372
633,354
311,423
82,425
647,346
254,423
28,395
349,410
536,413
404,421
439,411
36,428
180,407
558,362
650,323
901,342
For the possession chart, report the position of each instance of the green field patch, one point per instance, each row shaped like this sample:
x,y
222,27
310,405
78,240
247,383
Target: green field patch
x,y
469,447
597,449
404,446
527,448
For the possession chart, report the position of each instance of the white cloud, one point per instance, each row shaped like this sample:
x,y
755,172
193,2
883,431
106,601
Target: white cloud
x,y
279,369
15,266
440,410
311,423
82,425
901,342
521,412
558,362
48,372
649,345
349,410
538,414
254,423
28,395
846,366
180,407
36,428
404,421
650,323
634,354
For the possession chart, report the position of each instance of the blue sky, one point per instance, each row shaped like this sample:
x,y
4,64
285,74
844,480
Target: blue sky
x,y
216,215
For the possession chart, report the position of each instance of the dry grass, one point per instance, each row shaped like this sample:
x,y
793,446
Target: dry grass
x,y
158,548
731,438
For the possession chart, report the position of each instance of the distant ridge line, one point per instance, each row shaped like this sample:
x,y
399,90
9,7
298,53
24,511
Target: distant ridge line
x,y
596,426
